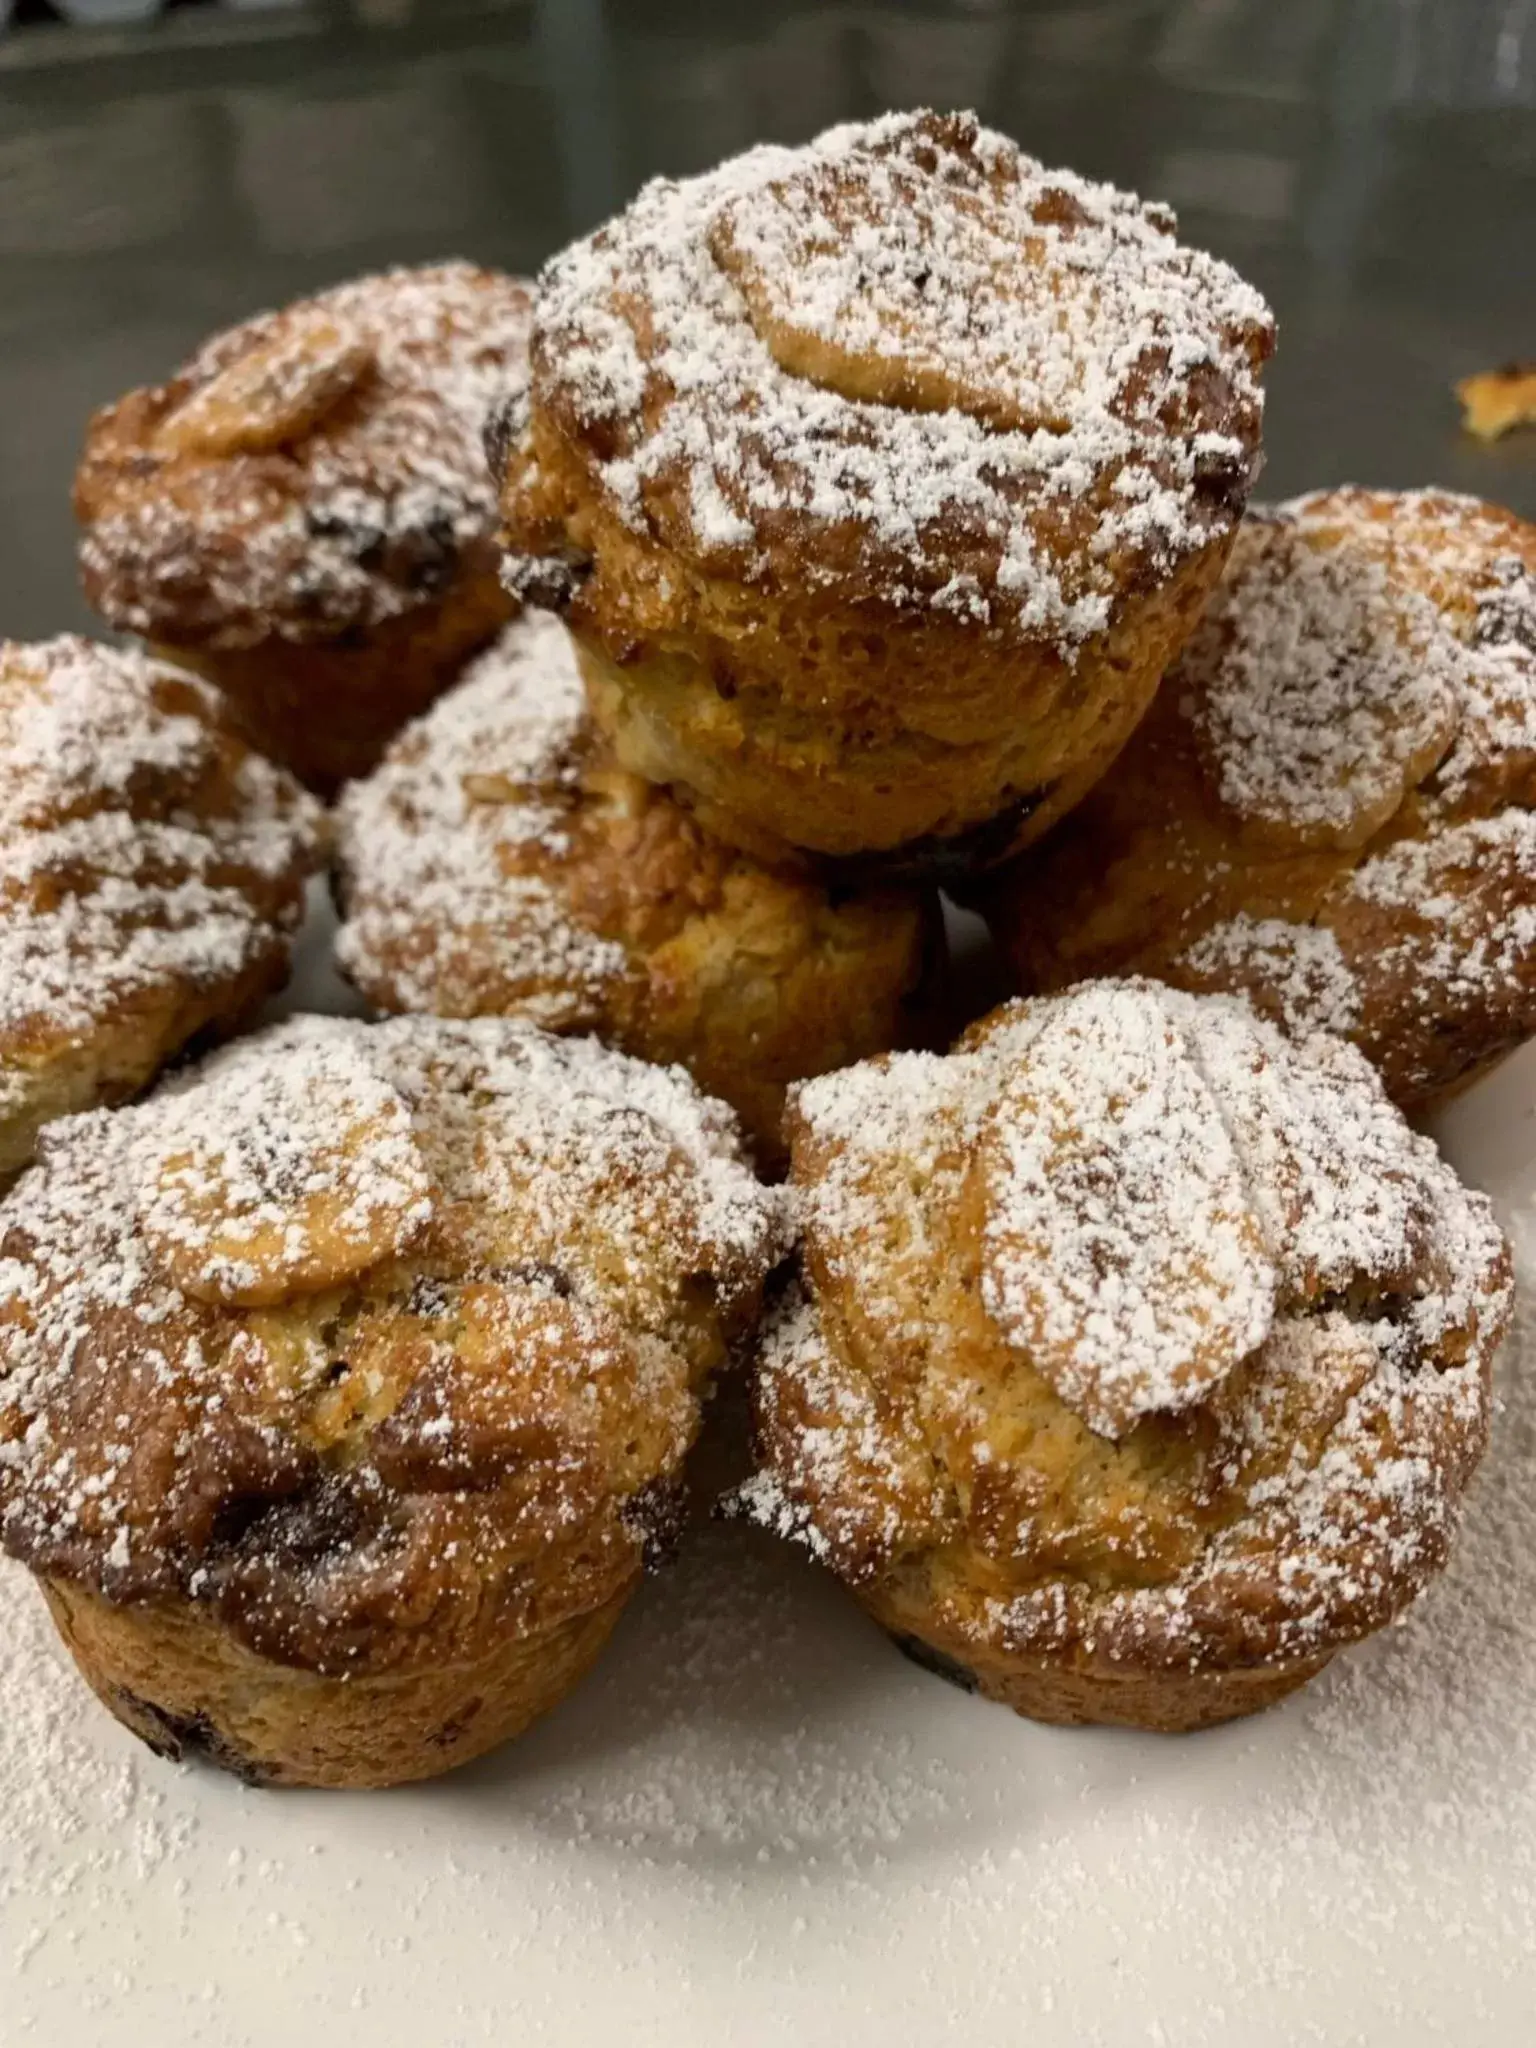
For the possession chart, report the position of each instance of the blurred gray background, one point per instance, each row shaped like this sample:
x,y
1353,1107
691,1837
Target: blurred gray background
x,y
166,168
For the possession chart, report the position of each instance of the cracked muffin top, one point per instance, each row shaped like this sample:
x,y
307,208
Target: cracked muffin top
x,y
151,874
1130,1326
371,1338
314,470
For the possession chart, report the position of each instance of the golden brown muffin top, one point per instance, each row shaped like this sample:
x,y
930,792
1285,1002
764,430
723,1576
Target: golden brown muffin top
x,y
1332,803
905,362
360,1332
1132,1324
500,858
1366,650
142,845
310,471
1364,687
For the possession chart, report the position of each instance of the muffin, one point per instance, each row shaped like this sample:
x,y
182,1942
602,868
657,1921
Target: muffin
x,y
879,481
1330,807
499,862
346,1383
152,875
303,512
1139,1356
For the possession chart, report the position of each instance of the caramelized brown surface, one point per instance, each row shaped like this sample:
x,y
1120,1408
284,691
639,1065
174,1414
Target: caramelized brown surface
x,y
313,472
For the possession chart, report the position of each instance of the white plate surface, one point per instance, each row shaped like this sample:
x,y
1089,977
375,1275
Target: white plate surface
x,y
756,1824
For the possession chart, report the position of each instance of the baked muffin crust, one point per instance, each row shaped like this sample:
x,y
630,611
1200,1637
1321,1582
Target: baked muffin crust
x,y
303,509
1139,1357
151,877
366,1354
500,862
312,470
875,474
1330,806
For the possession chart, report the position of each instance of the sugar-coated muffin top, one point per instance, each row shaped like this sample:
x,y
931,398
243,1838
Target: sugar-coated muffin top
x,y
908,362
146,855
313,470
1332,804
360,1325
500,862
1131,1325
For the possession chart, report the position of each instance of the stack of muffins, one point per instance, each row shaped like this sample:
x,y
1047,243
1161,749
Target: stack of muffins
x,y
848,523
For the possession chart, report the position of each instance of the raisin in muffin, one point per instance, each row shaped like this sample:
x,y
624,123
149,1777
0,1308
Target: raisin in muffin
x,y
879,481
344,1384
303,512
1139,1357
500,862
151,877
1332,806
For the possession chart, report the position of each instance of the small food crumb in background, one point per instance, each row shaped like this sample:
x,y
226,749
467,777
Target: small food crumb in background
x,y
1494,401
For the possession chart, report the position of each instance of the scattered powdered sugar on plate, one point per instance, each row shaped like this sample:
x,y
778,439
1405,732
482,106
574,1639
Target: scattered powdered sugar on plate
x,y
775,347
732,1766
319,467
433,842
81,1804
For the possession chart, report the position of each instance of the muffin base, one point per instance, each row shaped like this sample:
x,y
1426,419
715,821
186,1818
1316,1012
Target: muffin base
x,y
327,709
188,1688
1067,1695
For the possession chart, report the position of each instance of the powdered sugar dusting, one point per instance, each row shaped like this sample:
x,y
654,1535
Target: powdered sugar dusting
x,y
1419,875
780,342
1330,808
337,499
1362,645
1347,1198
140,848
291,1166
1320,686
1121,1253
436,840
272,1170
1334,1290
1302,966
1366,680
